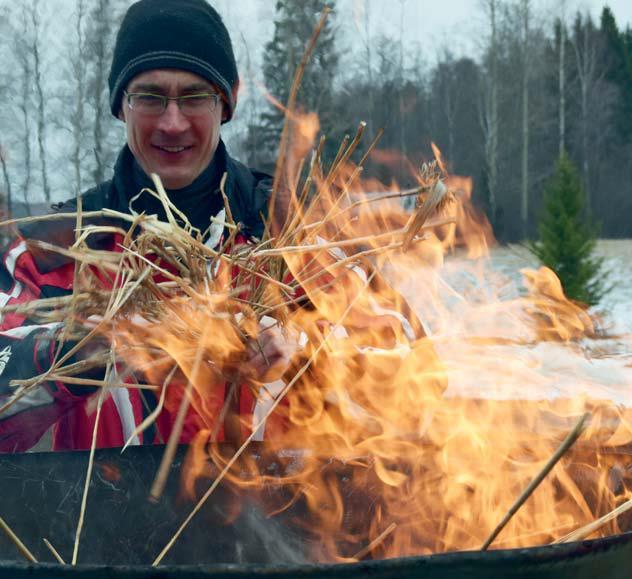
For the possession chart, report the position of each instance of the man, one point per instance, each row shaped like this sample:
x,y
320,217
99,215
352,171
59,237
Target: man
x,y
173,82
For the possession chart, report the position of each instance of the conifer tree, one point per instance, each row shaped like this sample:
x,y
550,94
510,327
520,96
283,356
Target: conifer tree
x,y
567,240
619,69
293,27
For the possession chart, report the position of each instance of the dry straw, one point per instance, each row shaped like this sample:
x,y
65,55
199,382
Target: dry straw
x,y
160,268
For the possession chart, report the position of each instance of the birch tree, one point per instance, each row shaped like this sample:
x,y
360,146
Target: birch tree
x,y
562,75
252,141
103,20
100,19
590,74
489,112
444,87
4,94
35,46
24,97
369,67
78,96
525,13
401,80
7,180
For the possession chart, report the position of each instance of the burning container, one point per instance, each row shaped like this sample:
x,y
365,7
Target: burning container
x,y
232,536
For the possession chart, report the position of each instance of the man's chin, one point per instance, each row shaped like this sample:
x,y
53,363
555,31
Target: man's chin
x,y
175,183
175,180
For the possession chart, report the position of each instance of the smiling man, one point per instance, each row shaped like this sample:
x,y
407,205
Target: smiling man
x,y
174,136
173,82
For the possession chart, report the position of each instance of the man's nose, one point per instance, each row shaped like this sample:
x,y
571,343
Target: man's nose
x,y
172,120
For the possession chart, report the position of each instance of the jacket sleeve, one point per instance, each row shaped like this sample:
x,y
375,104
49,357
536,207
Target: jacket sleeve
x,y
27,350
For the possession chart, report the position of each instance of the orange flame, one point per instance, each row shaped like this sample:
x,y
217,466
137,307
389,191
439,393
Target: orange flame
x,y
421,377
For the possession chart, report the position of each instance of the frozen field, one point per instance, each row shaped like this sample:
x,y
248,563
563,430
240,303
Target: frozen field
x,y
616,306
488,344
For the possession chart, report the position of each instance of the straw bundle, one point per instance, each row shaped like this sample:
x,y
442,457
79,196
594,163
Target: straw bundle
x,y
164,271
164,268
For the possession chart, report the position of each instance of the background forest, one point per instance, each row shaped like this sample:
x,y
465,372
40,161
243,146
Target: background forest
x,y
540,82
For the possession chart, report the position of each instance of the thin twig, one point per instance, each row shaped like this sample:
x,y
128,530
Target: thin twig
x,y
155,412
291,104
559,453
162,475
51,217
436,198
256,427
590,528
362,553
54,551
100,383
326,245
84,498
16,541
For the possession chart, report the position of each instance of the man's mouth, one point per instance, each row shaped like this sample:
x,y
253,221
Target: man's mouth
x,y
178,149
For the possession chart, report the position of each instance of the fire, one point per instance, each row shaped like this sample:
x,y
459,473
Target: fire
x,y
422,408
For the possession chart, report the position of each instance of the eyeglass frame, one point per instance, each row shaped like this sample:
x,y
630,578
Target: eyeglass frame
x,y
165,101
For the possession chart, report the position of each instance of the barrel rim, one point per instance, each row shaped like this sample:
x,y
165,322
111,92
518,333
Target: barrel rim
x,y
541,555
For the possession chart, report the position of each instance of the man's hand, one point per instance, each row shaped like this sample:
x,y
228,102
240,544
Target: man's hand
x,y
265,359
268,355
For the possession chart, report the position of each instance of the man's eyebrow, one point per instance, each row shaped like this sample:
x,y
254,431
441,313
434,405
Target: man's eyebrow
x,y
200,86
147,88
156,88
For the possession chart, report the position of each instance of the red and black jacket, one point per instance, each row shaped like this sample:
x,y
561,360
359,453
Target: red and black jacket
x,y
28,350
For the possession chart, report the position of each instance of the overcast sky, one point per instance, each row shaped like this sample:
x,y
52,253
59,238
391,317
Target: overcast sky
x,y
434,24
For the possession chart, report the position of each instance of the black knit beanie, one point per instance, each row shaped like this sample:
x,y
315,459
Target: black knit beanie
x,y
183,34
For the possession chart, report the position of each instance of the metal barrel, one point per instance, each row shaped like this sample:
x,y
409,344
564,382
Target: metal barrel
x,y
40,497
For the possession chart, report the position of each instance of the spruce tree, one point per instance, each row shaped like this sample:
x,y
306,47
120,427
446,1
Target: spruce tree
x,y
567,240
294,24
618,69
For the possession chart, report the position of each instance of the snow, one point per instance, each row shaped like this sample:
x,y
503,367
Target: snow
x,y
483,333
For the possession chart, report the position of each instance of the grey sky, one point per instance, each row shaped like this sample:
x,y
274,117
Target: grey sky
x,y
429,27
433,24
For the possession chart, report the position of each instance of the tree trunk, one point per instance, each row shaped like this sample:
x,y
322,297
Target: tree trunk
x,y
369,69
80,83
524,207
7,181
402,132
585,162
25,107
41,103
101,71
586,63
491,112
562,79
449,99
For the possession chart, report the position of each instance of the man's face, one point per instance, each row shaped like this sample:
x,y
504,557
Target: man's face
x,y
176,147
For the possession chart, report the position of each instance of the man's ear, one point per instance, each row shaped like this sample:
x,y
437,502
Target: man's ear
x,y
235,92
121,115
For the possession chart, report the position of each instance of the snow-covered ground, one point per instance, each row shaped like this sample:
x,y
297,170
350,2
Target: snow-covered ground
x,y
488,343
616,306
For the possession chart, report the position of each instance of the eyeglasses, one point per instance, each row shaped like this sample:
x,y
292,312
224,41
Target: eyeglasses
x,y
190,105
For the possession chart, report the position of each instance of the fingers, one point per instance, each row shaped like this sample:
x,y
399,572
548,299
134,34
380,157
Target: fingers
x,y
269,355
93,321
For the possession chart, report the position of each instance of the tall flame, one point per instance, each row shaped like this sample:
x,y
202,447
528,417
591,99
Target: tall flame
x,y
422,377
